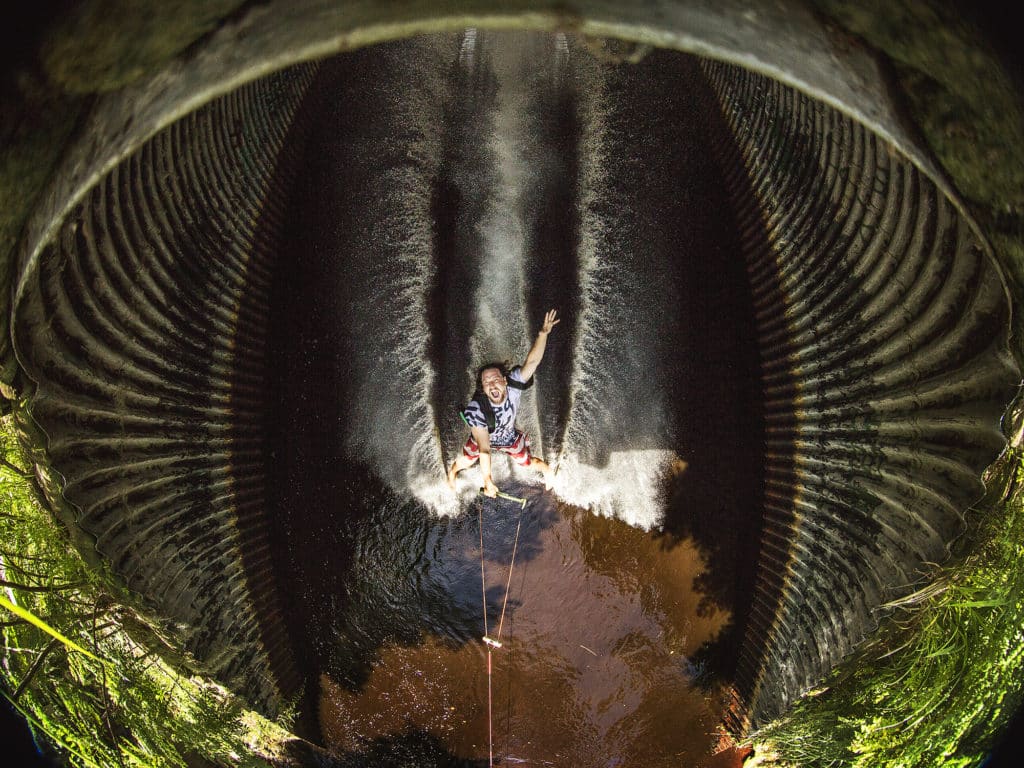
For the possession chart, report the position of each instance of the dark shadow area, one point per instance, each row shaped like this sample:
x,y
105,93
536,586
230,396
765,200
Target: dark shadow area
x,y
1006,751
456,207
255,428
305,480
719,501
411,749
19,746
991,17
418,575
22,32
725,509
709,363
552,266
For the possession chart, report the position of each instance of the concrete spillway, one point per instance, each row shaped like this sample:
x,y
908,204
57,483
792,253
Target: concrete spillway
x,y
850,329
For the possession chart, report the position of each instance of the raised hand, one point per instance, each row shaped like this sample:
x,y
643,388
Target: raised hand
x,y
551,319
537,350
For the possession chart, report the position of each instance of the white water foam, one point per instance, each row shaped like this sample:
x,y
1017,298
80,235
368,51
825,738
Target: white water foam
x,y
389,422
500,322
467,49
612,406
630,487
616,406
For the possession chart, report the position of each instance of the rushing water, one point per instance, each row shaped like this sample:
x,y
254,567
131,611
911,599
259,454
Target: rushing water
x,y
456,187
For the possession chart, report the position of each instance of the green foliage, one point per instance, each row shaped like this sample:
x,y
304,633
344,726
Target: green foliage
x,y
31,618
56,624
99,45
940,679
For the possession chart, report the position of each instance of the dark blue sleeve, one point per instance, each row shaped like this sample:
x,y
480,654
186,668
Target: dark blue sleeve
x,y
474,415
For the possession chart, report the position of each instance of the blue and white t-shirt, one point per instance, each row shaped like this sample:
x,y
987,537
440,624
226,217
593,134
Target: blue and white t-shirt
x,y
504,433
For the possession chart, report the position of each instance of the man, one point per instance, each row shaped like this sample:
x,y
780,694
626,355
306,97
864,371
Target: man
x,y
499,391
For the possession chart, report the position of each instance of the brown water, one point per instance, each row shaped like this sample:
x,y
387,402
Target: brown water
x,y
404,187
595,669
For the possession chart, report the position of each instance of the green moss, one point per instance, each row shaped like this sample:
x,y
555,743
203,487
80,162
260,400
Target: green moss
x,y
35,122
106,44
133,709
939,680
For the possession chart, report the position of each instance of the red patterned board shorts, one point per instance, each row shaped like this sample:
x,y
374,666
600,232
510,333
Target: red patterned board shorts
x,y
519,450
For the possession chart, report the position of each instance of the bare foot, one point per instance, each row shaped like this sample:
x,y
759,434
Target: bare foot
x,y
451,477
549,478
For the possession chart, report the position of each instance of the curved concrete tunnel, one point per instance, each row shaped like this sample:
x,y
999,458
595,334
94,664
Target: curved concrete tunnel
x,y
879,333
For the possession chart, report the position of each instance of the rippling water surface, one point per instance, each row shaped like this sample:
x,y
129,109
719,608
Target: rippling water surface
x,y
601,624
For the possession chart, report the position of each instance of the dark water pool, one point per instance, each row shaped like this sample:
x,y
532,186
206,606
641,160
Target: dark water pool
x,y
441,208
601,625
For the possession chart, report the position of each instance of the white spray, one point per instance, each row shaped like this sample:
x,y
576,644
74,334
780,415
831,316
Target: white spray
x,y
392,424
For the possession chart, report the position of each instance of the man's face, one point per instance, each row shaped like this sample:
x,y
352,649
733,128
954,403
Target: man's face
x,y
494,385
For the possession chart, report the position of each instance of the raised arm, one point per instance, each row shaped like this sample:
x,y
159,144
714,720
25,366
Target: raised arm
x,y
536,353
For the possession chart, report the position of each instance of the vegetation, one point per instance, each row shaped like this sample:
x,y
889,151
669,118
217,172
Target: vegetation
x,y
941,679
935,686
931,688
86,687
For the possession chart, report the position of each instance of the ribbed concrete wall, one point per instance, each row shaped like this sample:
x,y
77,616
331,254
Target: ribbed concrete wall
x,y
142,330
885,370
138,319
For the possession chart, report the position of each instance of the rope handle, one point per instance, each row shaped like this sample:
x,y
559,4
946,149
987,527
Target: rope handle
x,y
502,495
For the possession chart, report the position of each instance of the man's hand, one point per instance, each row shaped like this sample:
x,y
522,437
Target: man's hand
x,y
551,319
537,350
490,489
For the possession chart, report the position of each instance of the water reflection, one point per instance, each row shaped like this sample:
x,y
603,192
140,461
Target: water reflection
x,y
601,626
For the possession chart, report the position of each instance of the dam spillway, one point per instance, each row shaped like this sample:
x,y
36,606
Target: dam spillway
x,y
755,288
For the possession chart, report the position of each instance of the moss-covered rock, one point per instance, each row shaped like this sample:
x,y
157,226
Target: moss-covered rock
x,y
968,108
106,44
35,122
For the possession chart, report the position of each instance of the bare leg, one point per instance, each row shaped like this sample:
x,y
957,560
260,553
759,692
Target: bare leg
x,y
542,466
461,463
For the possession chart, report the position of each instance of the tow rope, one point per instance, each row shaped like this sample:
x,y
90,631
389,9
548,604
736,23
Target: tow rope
x,y
495,642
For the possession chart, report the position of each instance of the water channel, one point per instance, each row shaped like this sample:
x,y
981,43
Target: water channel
x,y
454,188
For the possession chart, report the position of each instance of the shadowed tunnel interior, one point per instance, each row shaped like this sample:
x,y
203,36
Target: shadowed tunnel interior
x,y
706,367
783,350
